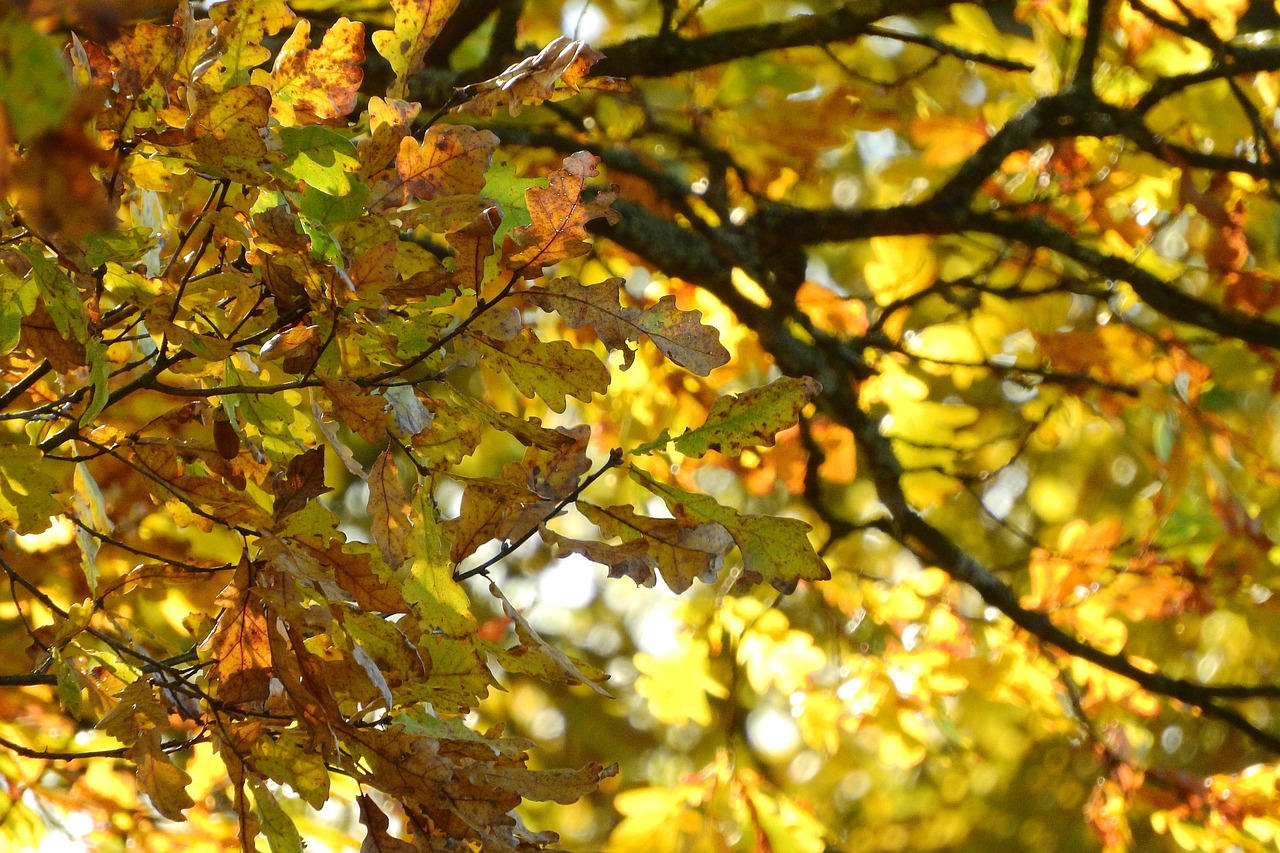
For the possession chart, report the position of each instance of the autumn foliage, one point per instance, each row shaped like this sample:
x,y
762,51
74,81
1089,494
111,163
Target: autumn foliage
x,y
422,429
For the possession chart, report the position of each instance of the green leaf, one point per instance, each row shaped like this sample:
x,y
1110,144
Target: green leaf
x,y
279,828
740,421
17,300
242,26
549,371
319,158
43,99
27,489
61,298
99,375
91,510
326,210
774,549
291,759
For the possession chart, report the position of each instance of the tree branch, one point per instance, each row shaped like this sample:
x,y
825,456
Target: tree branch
x,y
666,55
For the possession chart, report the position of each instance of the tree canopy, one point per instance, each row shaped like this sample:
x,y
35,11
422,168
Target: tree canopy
x,y
644,426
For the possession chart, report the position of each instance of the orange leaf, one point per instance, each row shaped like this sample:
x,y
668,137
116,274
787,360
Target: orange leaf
x,y
559,216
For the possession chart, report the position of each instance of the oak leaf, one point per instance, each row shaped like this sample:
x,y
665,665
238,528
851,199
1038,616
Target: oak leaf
x,y
448,161
159,778
28,489
309,85
302,481
559,214
388,507
242,27
682,550
558,70
774,549
682,338
741,421
417,23
678,334
289,759
557,667
550,371
239,645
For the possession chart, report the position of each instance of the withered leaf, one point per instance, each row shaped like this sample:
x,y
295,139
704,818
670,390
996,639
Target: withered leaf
x,y
488,510
388,510
682,550
773,548
559,213
448,161
550,371
379,839
302,481
159,778
737,422
678,334
559,668
682,338
239,645
363,412
558,70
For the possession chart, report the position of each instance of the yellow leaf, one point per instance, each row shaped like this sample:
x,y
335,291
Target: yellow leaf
x,y
901,267
677,686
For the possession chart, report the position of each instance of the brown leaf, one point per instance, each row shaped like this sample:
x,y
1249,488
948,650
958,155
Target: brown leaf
x,y
363,412
163,783
559,215
472,246
488,507
682,338
389,122
341,571
678,334
225,437
388,510
595,305
561,786
681,549
378,839
554,474
239,645
40,335
448,161
56,187
302,481
557,70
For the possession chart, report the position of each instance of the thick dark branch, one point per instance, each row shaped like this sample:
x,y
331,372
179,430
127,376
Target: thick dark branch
x,y
27,679
1158,294
683,253
665,55
833,225
1082,80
